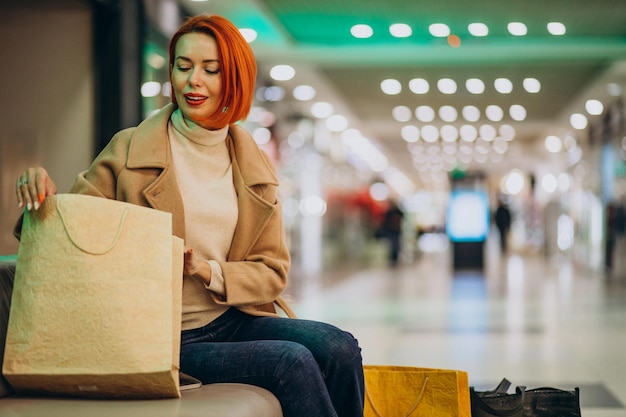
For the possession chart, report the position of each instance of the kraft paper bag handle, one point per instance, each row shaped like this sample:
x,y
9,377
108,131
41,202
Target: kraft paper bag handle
x,y
413,408
83,248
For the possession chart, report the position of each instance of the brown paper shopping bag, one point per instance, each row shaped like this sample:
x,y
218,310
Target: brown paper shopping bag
x,y
403,391
7,272
96,304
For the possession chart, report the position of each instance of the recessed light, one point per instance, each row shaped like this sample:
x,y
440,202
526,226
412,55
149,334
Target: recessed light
x,y
425,114
471,113
503,85
304,92
556,28
248,34
400,30
448,114
478,29
430,133
337,123
419,86
150,89
468,133
362,31
401,113
274,93
494,113
594,107
517,29
487,132
391,86
531,85
549,184
322,109
449,133
553,144
517,112
410,133
262,135
282,72
439,30
507,132
578,121
475,86
446,86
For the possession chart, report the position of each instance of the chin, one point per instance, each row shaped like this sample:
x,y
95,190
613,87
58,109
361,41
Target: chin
x,y
204,122
195,115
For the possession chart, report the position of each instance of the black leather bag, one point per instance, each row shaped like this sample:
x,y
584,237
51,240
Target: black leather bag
x,y
552,402
538,402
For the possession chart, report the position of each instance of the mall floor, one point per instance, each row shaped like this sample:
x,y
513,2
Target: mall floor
x,y
535,321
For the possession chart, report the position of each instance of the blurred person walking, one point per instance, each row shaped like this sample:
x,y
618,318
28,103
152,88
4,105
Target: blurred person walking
x,y
502,218
391,229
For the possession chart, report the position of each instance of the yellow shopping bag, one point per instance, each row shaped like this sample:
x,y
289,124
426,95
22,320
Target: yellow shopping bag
x,y
404,391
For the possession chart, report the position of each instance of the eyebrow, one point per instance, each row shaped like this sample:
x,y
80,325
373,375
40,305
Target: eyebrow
x,y
203,61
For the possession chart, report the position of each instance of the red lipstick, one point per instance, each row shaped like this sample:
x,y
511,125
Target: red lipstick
x,y
195,99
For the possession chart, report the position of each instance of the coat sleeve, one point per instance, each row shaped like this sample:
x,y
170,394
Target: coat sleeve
x,y
100,179
258,280
254,283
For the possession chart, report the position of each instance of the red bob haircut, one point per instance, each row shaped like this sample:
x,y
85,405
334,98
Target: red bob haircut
x,y
237,63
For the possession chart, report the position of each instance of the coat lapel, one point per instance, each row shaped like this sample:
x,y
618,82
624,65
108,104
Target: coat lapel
x,y
150,151
250,174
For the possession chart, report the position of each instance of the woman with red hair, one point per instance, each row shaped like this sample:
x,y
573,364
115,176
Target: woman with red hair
x,y
191,159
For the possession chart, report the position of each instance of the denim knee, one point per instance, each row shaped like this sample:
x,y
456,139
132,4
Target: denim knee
x,y
301,389
346,349
296,361
351,346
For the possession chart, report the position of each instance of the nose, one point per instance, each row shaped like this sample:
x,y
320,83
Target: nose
x,y
194,77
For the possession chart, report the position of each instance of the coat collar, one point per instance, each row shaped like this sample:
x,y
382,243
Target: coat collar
x,y
150,149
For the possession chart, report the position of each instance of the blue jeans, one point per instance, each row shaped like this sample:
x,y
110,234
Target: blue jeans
x,y
313,368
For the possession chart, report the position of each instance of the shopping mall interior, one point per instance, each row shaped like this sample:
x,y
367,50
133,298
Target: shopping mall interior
x,y
460,116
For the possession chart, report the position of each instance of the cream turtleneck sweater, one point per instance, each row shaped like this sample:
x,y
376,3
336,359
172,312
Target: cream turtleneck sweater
x,y
204,174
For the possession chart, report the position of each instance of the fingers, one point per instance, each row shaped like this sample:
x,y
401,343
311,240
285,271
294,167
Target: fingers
x,y
50,188
23,193
189,261
32,186
190,266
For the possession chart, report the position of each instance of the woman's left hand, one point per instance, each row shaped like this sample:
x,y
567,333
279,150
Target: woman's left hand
x,y
196,268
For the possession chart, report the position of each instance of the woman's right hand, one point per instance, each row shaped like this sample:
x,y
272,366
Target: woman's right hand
x,y
32,187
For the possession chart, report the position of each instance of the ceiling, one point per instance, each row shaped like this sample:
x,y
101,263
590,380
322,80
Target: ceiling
x,y
314,37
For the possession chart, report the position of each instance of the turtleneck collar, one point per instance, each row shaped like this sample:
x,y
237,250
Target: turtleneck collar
x,y
195,133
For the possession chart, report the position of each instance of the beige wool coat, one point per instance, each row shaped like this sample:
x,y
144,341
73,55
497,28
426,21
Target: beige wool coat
x,y
136,167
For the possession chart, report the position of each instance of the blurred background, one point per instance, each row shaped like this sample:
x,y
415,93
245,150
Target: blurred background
x,y
412,138
360,104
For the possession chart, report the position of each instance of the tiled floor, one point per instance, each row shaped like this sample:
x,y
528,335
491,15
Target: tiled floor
x,y
533,321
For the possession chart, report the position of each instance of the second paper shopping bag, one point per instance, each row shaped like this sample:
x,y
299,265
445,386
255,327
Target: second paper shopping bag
x,y
405,391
